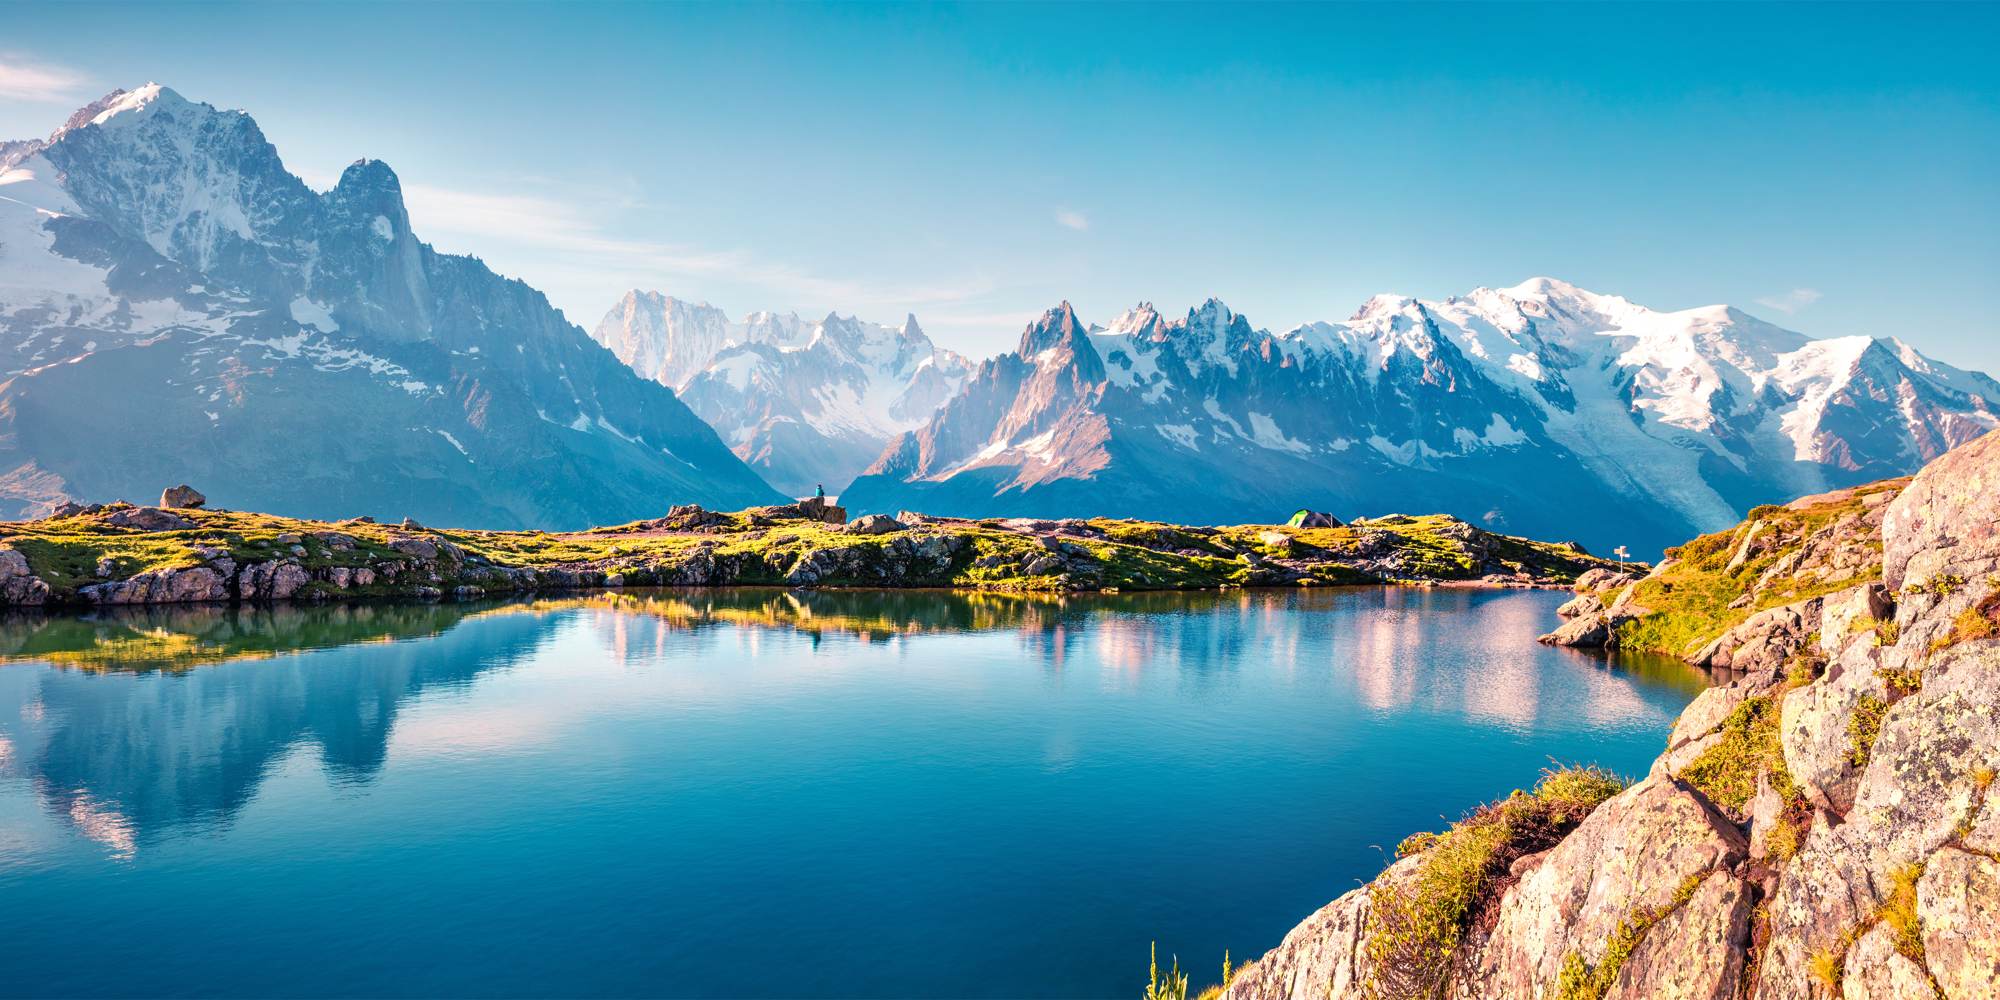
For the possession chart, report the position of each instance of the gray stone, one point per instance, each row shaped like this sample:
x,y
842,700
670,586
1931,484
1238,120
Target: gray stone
x,y
18,583
271,581
182,496
1958,904
1580,606
147,519
873,524
163,586
1630,855
1695,952
1875,970
1587,632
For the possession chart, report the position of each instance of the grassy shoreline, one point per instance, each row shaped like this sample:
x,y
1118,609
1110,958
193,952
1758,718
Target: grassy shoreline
x,y
123,554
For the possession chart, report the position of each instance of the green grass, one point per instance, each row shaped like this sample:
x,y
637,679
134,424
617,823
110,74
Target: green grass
x,y
1749,749
763,545
1864,726
1688,602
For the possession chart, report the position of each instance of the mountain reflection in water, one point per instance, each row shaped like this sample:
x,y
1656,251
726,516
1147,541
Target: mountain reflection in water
x,y
781,756
136,758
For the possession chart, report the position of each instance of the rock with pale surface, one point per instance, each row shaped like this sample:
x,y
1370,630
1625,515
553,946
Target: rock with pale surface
x,y
1630,855
18,582
1958,903
182,496
1875,970
873,524
1693,953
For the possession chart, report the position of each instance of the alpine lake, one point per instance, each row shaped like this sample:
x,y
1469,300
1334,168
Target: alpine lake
x,y
755,793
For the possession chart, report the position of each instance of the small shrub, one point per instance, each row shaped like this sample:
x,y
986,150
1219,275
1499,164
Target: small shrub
x,y
1886,630
1415,843
1804,668
1414,929
1901,680
1863,727
1981,621
1781,844
1943,585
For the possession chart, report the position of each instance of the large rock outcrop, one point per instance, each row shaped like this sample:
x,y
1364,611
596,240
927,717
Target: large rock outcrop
x,y
1824,825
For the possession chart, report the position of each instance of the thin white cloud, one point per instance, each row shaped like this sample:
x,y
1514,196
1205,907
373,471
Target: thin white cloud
x,y
1792,301
572,250
558,246
1072,219
23,79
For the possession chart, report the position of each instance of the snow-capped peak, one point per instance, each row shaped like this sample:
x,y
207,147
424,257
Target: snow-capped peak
x,y
152,96
1141,320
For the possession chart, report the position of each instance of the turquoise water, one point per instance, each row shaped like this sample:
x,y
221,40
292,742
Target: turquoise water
x,y
753,793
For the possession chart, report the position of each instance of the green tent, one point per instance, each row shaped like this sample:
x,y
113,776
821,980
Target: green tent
x,y
1308,518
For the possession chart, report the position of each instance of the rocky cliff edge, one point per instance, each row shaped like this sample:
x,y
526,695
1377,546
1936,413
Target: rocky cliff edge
x,y
1823,825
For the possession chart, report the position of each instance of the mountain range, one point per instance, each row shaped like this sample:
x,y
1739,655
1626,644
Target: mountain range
x,y
807,404
1541,409
176,306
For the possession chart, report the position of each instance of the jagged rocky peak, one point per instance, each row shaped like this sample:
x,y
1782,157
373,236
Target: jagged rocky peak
x,y
1141,322
232,314
1058,329
1541,407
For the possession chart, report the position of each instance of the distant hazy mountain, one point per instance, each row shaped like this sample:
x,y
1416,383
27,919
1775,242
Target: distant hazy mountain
x,y
804,403
176,306
1541,409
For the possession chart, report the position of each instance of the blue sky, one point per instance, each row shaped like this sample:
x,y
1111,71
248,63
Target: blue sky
x,y
1829,168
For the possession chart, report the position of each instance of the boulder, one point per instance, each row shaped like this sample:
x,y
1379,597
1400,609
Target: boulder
x,y
1949,513
1586,632
162,586
147,519
1580,606
18,583
1958,905
1630,856
1696,952
182,496
1325,956
1601,578
1766,640
1047,565
1875,970
271,581
873,524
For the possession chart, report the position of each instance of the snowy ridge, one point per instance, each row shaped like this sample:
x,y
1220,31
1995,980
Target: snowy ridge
x,y
806,403
1500,401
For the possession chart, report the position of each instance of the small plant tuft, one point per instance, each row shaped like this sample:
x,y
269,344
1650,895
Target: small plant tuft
x,y
1173,987
1826,969
1899,911
1728,771
1415,929
1864,726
